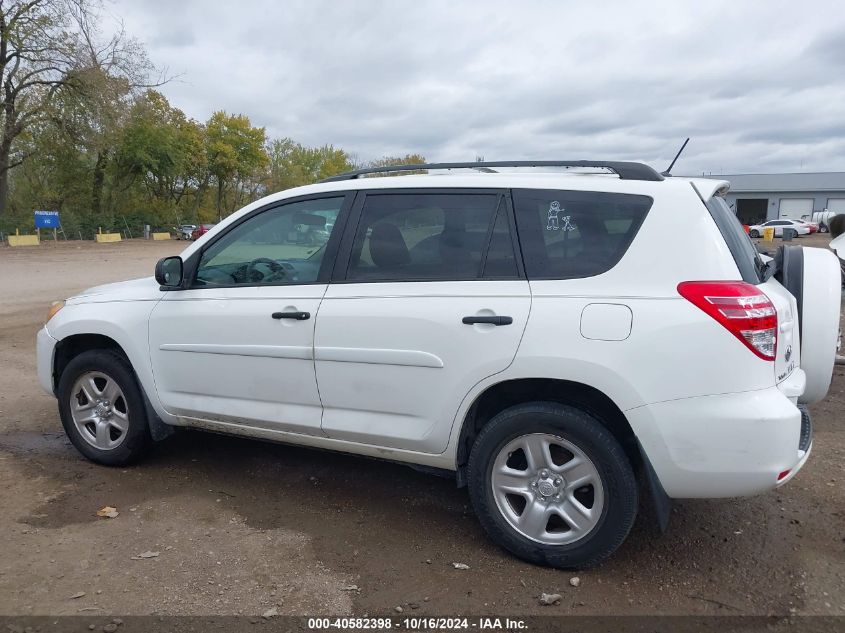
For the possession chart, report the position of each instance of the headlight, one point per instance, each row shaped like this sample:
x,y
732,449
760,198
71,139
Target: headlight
x,y
54,309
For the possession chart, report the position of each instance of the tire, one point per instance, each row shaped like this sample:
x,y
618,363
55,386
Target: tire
x,y
754,233
125,437
555,545
823,228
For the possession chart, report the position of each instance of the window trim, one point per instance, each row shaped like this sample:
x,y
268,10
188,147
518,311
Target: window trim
x,y
323,276
341,268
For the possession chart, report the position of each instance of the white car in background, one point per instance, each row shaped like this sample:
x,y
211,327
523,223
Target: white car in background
x,y
544,336
800,228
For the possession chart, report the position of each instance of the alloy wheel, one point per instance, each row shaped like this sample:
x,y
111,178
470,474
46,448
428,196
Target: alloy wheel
x,y
547,489
99,410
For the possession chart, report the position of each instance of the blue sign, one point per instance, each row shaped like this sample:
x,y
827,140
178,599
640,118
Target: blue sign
x,y
47,220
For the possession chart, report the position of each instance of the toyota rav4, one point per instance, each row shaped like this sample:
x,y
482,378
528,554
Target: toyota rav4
x,y
544,334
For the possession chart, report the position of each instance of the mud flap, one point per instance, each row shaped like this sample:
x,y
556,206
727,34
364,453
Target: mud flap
x,y
661,502
158,429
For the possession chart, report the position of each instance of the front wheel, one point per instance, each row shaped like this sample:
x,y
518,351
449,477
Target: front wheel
x,y
552,485
754,233
102,408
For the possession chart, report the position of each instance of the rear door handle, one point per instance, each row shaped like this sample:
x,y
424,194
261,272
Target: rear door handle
x,y
299,316
492,320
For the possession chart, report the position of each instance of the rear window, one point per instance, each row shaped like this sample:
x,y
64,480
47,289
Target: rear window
x,y
747,258
570,234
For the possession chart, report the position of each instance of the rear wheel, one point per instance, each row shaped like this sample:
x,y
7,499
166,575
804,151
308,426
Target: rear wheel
x,y
102,408
552,485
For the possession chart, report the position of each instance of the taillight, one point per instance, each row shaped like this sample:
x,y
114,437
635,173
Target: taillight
x,y
741,308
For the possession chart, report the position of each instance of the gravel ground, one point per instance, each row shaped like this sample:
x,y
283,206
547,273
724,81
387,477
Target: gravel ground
x,y
232,526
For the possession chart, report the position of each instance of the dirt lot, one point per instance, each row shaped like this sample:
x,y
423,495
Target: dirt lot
x,y
243,526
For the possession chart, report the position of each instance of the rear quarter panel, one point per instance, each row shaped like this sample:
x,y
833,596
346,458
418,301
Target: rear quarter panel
x,y
674,350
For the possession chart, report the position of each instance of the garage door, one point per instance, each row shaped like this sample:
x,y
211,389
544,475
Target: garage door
x,y
795,207
837,205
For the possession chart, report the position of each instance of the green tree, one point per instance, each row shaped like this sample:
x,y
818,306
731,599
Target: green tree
x,y
162,150
235,154
293,165
390,161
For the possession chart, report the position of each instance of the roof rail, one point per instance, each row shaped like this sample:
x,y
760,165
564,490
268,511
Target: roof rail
x,y
625,170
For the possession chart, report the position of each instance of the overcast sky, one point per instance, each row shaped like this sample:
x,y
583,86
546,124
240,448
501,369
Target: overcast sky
x,y
759,86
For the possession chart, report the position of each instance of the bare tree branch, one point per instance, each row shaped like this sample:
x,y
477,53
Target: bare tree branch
x,y
50,48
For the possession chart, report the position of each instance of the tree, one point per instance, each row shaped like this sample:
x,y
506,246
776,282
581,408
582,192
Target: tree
x,y
161,148
293,165
108,75
235,152
389,161
51,49
36,52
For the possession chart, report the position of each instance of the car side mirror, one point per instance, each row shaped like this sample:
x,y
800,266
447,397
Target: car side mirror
x,y
169,272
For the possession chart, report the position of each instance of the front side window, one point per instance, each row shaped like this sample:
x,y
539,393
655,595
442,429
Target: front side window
x,y
570,234
283,245
419,237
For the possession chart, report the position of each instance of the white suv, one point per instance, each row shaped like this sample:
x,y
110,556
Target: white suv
x,y
546,336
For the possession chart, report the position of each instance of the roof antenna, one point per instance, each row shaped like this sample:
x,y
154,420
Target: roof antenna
x,y
668,171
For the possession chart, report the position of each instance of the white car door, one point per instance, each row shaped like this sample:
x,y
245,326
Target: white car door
x,y
777,225
235,347
424,310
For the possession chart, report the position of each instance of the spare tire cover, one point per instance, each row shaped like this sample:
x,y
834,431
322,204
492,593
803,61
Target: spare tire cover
x,y
813,277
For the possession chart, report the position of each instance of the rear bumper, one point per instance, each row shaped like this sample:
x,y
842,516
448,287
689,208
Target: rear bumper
x,y
45,347
727,445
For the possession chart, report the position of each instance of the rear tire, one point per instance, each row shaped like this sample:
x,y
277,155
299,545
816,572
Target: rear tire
x,y
570,508
102,408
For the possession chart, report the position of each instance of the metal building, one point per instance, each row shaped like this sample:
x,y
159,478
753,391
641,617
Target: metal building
x,y
760,197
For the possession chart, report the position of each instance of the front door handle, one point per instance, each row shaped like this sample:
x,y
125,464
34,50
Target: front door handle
x,y
299,316
492,320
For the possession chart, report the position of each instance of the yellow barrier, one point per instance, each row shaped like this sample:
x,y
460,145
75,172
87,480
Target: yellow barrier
x,y
107,237
161,236
768,234
24,240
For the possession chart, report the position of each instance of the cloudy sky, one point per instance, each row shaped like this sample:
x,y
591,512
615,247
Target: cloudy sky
x,y
758,85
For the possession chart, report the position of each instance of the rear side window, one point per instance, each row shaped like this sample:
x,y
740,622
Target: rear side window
x,y
570,234
739,244
420,237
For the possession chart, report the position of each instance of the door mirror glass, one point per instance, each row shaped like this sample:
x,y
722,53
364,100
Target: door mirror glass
x,y
169,272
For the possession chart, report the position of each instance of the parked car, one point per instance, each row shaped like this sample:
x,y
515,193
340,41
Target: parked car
x,y
546,337
813,226
184,231
756,230
201,230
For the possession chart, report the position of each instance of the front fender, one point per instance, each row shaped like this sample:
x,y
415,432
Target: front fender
x,y
126,323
